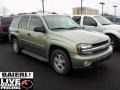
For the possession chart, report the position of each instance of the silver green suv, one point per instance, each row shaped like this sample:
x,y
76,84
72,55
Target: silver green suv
x,y
58,40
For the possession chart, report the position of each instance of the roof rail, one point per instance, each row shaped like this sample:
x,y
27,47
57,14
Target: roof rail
x,y
45,12
33,12
21,13
37,13
26,13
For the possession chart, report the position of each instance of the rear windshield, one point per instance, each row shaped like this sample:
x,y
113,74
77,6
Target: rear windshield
x,y
6,21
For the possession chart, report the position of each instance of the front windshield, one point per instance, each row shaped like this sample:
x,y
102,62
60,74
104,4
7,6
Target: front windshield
x,y
102,20
58,22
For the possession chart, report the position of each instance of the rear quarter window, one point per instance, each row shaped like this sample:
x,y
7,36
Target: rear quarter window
x,y
23,22
15,21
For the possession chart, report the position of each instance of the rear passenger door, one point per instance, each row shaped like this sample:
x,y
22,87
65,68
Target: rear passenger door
x,y
89,24
23,32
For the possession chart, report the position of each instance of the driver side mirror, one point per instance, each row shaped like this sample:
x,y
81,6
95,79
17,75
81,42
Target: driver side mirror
x,y
93,24
40,29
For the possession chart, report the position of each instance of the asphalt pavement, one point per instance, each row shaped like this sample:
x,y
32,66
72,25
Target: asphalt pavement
x,y
103,77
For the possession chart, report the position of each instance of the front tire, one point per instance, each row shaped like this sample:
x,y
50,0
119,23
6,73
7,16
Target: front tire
x,y
15,46
60,62
114,43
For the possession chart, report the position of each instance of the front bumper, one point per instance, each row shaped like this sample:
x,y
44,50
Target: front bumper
x,y
83,61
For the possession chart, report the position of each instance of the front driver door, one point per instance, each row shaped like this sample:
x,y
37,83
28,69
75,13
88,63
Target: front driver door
x,y
37,39
90,24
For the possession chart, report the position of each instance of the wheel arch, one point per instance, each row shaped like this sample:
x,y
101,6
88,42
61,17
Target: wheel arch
x,y
110,34
54,47
116,48
11,38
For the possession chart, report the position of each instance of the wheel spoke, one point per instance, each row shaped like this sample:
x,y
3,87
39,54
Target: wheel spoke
x,y
59,56
56,59
62,67
62,61
57,65
59,62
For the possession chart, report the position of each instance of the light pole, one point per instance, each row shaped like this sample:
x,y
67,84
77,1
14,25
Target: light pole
x,y
115,9
81,7
43,6
102,3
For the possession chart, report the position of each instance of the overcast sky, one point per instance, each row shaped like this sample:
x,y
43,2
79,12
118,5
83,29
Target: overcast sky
x,y
60,6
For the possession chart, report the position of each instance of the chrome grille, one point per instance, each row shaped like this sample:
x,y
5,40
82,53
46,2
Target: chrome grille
x,y
97,48
101,43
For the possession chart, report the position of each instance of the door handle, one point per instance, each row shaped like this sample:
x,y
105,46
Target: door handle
x,y
28,34
83,28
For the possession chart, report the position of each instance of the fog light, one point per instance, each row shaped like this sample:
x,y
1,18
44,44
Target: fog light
x,y
87,63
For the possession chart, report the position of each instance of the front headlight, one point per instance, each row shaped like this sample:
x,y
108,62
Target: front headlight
x,y
84,46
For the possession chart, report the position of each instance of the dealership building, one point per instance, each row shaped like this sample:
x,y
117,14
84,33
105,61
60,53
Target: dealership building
x,y
85,11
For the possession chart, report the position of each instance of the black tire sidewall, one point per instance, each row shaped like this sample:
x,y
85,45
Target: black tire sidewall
x,y
67,61
116,44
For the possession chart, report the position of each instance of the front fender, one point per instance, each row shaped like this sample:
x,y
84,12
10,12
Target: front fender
x,y
69,46
113,32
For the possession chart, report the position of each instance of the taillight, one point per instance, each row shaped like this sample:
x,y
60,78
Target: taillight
x,y
1,28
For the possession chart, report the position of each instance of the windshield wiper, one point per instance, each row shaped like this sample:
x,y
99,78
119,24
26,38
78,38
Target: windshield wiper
x,y
74,28
66,28
106,24
58,28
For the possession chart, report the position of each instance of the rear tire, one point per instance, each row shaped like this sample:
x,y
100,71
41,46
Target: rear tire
x,y
60,62
15,46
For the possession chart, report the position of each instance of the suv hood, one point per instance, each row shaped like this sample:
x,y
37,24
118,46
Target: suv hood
x,y
113,27
81,36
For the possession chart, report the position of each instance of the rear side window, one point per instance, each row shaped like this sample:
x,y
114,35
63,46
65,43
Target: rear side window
x,y
23,22
15,21
6,21
77,19
35,22
88,21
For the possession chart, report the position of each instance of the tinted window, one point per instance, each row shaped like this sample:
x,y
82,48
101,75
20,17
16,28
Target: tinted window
x,y
6,21
88,21
35,22
23,22
77,19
